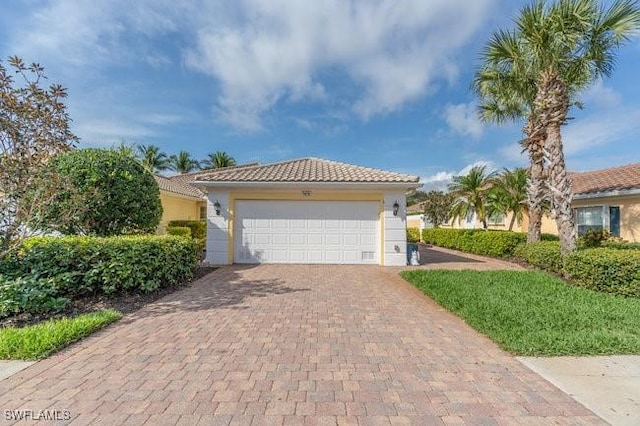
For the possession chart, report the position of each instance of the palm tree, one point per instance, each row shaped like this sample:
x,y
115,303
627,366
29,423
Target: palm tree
x,y
508,95
153,159
557,50
471,193
217,160
183,163
509,194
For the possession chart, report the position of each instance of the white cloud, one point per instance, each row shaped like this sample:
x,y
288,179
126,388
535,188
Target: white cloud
x,y
600,96
262,52
600,129
274,50
441,180
463,119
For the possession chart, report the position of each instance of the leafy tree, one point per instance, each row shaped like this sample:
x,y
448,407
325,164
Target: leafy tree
x,y
437,207
34,126
184,163
217,160
153,159
123,197
509,194
555,51
470,192
126,149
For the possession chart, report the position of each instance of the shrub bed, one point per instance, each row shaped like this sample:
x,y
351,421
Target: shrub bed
x,y
198,227
413,235
77,266
490,243
181,231
606,270
544,255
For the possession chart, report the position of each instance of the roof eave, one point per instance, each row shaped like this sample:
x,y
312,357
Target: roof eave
x,y
235,184
605,194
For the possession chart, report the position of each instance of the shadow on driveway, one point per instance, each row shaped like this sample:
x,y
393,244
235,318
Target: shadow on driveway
x,y
223,288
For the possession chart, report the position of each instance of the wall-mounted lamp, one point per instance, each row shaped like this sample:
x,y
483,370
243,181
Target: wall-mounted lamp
x,y
217,207
396,207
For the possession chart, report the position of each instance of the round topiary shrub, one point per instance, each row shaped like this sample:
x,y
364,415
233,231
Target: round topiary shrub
x,y
108,193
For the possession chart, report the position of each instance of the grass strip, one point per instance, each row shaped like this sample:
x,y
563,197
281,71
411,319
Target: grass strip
x,y
532,313
41,340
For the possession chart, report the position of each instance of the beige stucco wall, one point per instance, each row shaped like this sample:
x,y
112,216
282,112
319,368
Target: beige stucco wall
x,y
175,207
629,213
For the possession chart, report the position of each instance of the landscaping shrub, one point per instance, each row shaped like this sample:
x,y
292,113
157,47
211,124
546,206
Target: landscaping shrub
x,y
181,231
549,237
491,243
544,255
198,227
85,265
413,235
29,294
110,193
620,245
592,238
604,269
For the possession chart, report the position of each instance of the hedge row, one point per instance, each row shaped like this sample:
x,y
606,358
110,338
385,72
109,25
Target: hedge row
x,y
198,227
413,235
490,243
76,266
607,270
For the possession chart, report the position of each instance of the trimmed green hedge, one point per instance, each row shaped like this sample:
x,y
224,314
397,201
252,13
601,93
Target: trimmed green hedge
x,y
198,227
413,235
181,231
490,243
84,265
544,255
606,270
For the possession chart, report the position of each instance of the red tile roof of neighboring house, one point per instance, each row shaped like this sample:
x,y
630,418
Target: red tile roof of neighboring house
x,y
416,208
305,170
177,186
606,180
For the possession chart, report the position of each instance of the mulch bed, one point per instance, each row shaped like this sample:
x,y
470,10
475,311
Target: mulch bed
x,y
125,303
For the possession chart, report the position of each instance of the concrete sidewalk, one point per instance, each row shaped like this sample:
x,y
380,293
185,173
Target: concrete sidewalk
x,y
607,385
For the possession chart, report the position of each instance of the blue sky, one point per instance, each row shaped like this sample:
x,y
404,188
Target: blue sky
x,y
378,83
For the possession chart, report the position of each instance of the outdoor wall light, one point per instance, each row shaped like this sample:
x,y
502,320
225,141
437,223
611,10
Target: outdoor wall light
x,y
396,207
217,207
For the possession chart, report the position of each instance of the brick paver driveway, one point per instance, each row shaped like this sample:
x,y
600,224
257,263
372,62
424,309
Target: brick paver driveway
x,y
291,345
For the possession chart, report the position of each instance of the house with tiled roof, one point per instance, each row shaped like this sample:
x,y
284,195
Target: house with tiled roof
x,y
307,210
608,199
180,200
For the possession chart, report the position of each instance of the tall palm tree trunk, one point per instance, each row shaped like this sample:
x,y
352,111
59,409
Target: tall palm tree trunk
x,y
537,188
552,105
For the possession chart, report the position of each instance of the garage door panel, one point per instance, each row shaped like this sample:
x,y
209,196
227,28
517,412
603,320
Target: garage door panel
x,y
306,231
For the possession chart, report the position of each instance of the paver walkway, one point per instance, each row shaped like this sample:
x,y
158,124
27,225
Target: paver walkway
x,y
291,345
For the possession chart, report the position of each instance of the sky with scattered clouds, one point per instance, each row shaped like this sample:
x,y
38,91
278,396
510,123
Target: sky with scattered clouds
x,y
378,83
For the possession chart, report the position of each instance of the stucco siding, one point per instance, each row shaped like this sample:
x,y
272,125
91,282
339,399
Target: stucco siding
x,y
177,208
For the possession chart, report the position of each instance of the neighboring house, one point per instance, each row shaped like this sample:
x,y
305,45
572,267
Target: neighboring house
x,y
607,199
306,210
180,200
416,217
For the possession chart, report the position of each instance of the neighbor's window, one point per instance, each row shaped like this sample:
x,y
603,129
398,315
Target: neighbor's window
x,y
496,219
203,212
590,219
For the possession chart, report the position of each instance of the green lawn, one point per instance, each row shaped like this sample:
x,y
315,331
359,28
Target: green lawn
x,y
41,340
531,313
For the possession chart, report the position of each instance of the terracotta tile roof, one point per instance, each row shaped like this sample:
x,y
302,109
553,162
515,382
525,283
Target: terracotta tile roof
x,y
305,170
416,208
612,179
177,186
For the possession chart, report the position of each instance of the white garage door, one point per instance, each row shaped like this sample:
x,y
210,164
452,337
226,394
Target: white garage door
x,y
306,232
